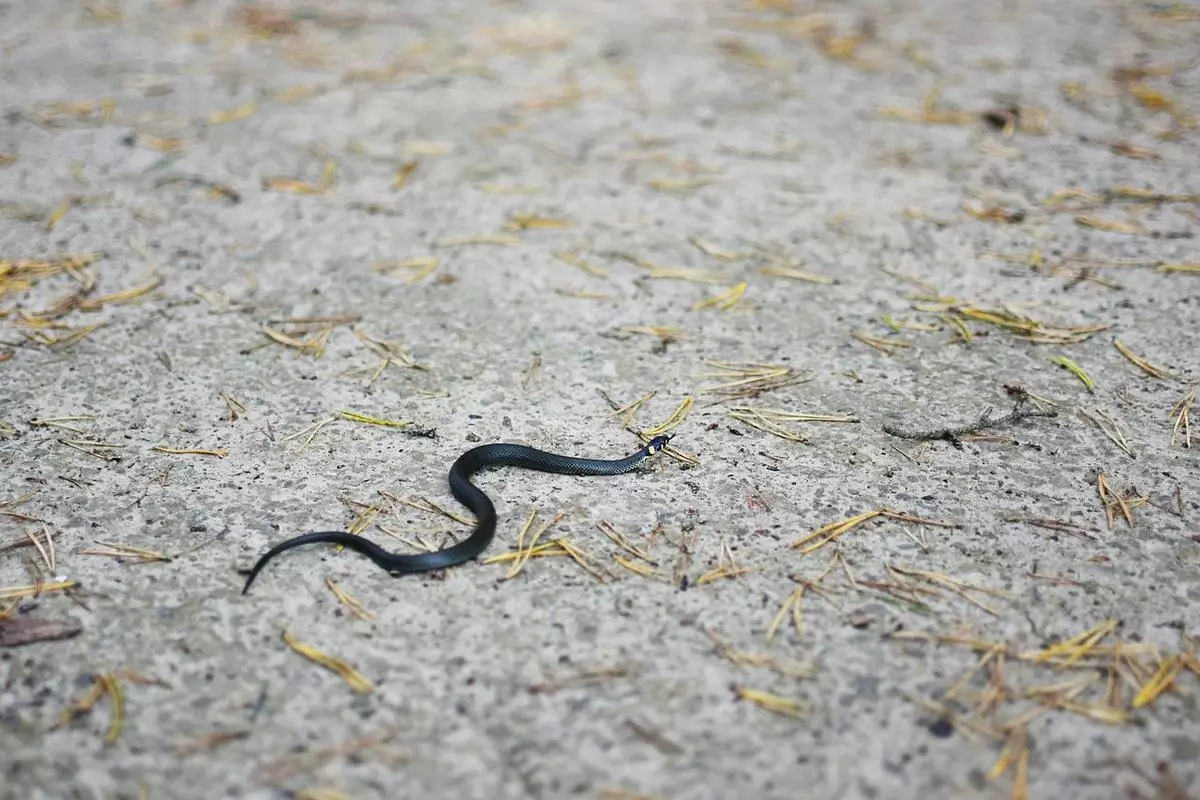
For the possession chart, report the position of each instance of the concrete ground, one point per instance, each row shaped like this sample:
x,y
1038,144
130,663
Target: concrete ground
x,y
223,225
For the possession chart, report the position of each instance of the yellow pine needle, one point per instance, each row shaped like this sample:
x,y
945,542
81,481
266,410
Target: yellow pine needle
x,y
885,346
1179,267
725,300
351,603
76,336
60,422
292,186
426,505
519,564
827,533
770,702
356,680
551,548
15,592
794,669
315,345
677,417
1075,648
505,239
417,269
629,411
1107,225
114,550
1141,363
112,688
749,379
524,222
575,261
795,416
1162,680
621,541
1075,370
48,555
683,274
716,251
633,566
1109,427
84,704
423,148
582,558
233,114
178,451
354,416
760,421
796,274
668,185
120,297
404,173
792,604
311,430
1181,412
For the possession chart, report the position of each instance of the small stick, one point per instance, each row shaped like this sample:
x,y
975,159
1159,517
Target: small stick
x,y
952,434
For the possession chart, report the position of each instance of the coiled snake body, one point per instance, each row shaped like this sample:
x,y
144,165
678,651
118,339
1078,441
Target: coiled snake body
x,y
469,463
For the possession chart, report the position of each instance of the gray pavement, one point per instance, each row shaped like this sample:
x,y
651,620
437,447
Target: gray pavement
x,y
482,219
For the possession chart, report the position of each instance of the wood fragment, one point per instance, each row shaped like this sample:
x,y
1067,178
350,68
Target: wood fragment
x,y
17,631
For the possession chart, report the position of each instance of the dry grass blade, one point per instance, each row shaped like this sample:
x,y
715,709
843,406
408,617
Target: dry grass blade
x,y
355,679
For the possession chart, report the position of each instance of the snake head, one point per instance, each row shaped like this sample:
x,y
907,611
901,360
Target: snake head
x,y
658,443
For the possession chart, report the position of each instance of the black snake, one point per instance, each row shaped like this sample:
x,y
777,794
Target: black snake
x,y
470,462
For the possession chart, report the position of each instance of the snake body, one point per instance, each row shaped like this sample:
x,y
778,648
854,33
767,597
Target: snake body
x,y
467,493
